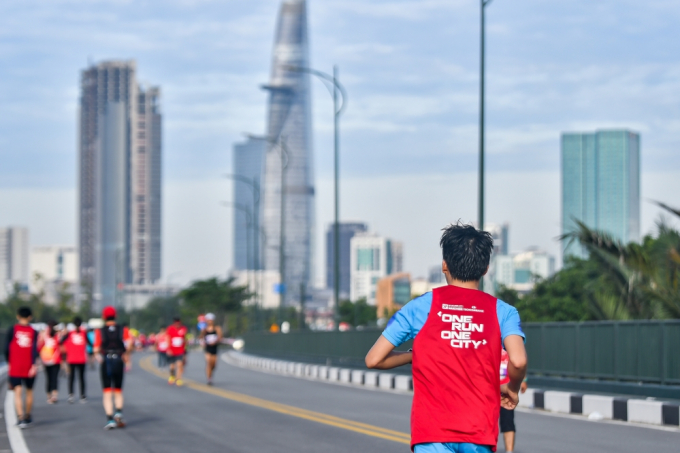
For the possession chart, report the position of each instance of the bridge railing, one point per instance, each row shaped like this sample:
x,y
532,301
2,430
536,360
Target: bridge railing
x,y
644,351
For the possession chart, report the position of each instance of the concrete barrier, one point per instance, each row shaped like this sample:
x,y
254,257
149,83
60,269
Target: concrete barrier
x,y
603,405
404,383
371,378
645,411
357,377
333,374
557,401
386,380
323,372
345,375
526,399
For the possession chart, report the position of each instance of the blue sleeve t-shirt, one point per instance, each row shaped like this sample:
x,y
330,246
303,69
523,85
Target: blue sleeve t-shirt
x,y
407,322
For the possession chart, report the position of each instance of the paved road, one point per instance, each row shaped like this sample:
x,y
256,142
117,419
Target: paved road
x,y
251,411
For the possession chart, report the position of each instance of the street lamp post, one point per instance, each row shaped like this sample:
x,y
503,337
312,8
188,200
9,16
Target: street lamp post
x,y
337,111
480,212
254,185
249,224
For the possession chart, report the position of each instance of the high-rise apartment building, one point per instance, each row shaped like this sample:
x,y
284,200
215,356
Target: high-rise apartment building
x,y
372,257
248,170
14,265
289,175
601,184
347,231
120,181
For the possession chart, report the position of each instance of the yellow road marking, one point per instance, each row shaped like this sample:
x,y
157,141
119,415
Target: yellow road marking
x,y
318,417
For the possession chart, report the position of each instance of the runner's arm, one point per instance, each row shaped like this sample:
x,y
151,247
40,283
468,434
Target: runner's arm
x,y
382,355
517,370
219,333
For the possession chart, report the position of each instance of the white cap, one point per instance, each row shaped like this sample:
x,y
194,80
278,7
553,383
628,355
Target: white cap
x,y
209,317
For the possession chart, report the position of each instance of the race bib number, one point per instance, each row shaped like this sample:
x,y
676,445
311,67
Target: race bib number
x,y
177,342
163,345
211,338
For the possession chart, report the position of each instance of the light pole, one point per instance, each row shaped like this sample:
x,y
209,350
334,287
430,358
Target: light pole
x,y
254,185
337,111
249,225
480,210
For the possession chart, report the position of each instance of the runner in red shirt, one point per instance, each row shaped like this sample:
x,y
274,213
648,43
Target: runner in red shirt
x,y
177,349
111,346
161,341
459,333
21,352
75,343
507,421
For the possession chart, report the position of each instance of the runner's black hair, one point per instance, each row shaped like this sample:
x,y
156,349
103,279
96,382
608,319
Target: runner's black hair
x,y
77,321
467,251
24,312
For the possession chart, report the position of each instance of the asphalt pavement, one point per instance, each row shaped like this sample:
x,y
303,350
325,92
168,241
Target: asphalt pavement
x,y
252,411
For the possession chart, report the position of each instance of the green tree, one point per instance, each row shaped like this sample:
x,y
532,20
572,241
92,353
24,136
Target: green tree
x,y
357,313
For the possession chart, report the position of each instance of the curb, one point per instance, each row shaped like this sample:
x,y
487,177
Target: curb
x,y
347,376
595,407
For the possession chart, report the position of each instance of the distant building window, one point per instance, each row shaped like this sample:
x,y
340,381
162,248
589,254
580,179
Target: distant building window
x,y
368,259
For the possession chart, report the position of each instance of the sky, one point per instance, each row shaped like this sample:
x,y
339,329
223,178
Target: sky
x,y
409,137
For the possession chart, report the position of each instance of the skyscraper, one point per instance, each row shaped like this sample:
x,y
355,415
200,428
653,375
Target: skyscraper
x,y
288,175
14,266
601,184
248,164
120,181
347,232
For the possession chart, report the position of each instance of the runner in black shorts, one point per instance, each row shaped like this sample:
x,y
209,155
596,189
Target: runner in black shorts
x,y
111,346
211,337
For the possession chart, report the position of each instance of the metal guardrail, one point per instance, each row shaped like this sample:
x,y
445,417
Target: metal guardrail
x,y
640,351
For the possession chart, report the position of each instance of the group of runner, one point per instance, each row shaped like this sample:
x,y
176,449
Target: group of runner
x,y
171,346
26,348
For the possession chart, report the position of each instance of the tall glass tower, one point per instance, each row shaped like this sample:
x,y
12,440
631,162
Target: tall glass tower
x,y
601,184
288,174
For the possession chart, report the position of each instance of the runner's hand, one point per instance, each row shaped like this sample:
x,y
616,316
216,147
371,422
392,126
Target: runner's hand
x,y
509,399
98,357
33,371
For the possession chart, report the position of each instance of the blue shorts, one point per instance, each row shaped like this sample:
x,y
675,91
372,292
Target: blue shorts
x,y
451,447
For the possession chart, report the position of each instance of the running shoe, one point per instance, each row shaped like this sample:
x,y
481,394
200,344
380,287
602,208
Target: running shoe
x,y
179,382
83,400
171,380
71,399
111,424
26,422
118,418
210,382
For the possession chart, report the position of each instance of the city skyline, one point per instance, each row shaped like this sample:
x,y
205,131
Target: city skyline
x,y
534,92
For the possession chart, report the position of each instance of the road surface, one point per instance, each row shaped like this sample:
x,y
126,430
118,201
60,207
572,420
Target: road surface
x,y
251,411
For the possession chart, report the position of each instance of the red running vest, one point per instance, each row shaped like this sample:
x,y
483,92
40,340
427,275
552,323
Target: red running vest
x,y
456,358
76,345
21,351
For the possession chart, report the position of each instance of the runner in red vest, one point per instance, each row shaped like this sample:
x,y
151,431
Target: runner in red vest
x,y
161,341
508,416
458,332
21,352
177,349
76,343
